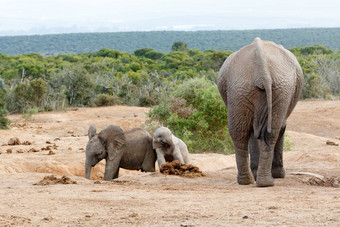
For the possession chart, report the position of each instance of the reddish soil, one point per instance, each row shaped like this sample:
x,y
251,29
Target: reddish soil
x,y
155,199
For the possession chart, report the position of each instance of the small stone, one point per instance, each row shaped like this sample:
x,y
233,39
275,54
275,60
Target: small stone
x,y
51,153
27,143
187,224
9,151
329,142
33,150
245,217
13,141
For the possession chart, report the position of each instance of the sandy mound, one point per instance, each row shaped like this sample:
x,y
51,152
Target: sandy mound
x,y
176,168
48,180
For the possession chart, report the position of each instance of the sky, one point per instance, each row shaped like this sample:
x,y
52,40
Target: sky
x,y
30,17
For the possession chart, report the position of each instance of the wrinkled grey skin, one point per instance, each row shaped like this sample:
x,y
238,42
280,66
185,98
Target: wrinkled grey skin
x,y
169,147
260,84
129,150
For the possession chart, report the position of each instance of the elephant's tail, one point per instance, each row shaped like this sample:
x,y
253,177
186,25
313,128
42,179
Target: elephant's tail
x,y
263,81
268,89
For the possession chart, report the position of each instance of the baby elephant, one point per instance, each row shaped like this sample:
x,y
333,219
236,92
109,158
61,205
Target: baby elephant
x,y
131,149
169,147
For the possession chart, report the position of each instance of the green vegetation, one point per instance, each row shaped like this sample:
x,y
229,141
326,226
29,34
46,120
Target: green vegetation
x,y
4,122
195,112
180,86
162,41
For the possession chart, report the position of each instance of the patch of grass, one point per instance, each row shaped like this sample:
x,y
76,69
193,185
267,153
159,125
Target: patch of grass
x,y
288,144
28,114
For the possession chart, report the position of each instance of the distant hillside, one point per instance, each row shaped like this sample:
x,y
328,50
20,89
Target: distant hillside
x,y
163,40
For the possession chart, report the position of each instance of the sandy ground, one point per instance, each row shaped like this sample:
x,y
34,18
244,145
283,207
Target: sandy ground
x,y
154,199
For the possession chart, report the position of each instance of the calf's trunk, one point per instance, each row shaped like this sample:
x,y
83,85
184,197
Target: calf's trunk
x,y
87,171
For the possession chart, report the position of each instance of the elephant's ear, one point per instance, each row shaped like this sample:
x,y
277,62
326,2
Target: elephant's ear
x,y
92,131
155,143
113,138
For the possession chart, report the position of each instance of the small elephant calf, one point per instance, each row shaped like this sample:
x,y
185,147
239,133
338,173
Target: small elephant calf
x,y
131,149
169,147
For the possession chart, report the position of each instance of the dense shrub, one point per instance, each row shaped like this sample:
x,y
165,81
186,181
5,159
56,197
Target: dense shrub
x,y
195,112
107,100
4,122
27,95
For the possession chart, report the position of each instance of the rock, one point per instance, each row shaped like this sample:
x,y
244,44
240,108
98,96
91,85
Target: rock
x,y
329,142
13,141
47,148
51,153
33,150
187,224
9,151
26,143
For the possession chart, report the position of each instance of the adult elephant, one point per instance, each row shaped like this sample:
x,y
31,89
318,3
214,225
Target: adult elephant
x,y
260,84
131,149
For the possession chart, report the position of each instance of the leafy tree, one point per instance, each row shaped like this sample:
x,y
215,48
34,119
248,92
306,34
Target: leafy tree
x,y
78,83
179,46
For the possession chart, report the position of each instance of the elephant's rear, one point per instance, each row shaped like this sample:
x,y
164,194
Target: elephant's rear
x,y
261,78
140,155
260,85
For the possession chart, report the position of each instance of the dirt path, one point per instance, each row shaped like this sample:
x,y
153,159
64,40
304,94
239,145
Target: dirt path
x,y
153,199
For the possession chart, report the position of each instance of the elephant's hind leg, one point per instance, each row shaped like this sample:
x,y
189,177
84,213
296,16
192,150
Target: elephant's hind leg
x,y
244,176
264,172
254,149
239,125
278,170
264,176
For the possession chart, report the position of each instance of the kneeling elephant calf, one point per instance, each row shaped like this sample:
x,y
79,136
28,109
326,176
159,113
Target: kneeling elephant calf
x,y
131,150
169,147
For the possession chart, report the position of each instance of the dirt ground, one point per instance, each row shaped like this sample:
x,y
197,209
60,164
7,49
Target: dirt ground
x,y
154,199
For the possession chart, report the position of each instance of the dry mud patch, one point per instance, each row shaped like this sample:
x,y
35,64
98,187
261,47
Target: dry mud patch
x,y
155,199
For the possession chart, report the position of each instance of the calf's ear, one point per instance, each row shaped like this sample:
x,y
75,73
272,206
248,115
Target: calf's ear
x,y
92,131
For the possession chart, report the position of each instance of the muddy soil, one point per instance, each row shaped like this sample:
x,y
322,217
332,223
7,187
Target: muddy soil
x,y
155,199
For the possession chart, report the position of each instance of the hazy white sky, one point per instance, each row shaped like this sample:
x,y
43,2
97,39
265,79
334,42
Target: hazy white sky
x,y
60,16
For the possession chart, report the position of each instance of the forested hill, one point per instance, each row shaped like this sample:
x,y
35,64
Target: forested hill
x,y
163,40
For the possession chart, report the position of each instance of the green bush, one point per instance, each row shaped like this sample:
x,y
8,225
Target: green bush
x,y
107,100
314,86
4,122
195,112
